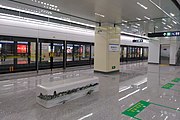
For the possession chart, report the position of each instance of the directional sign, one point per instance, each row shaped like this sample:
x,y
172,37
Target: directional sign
x,y
164,34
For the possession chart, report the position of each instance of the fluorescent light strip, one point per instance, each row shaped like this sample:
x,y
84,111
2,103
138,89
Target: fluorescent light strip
x,y
86,116
162,10
10,8
145,37
174,22
172,14
39,22
135,26
142,5
129,95
99,15
169,26
138,18
147,17
124,21
138,24
164,20
163,23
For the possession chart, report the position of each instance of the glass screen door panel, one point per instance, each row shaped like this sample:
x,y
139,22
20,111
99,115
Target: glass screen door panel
x,y
69,52
45,50
25,54
77,50
58,50
7,48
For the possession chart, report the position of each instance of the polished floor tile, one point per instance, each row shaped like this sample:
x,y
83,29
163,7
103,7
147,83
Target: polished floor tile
x,y
118,92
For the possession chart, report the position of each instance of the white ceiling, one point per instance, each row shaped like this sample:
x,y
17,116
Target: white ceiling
x,y
113,10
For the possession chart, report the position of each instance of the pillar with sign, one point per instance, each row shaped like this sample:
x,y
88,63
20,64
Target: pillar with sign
x,y
107,49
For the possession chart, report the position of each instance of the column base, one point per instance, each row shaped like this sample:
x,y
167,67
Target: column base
x,y
108,72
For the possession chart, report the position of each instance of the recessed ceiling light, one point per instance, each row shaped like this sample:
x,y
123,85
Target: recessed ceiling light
x,y
138,18
143,6
165,28
123,24
172,14
42,3
135,26
147,17
57,9
174,22
138,24
124,21
163,23
99,15
169,26
47,3
164,20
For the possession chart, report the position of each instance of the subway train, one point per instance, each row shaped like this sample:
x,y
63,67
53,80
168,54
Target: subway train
x,y
28,44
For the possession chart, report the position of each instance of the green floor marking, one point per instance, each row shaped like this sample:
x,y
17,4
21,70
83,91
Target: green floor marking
x,y
168,86
176,80
140,106
136,109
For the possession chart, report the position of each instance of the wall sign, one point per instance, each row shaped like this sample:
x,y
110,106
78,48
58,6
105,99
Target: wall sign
x,y
164,34
114,47
138,41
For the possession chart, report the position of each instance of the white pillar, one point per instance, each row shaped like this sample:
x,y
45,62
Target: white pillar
x,y
107,49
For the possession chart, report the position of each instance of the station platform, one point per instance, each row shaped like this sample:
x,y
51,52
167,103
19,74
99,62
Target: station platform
x,y
138,91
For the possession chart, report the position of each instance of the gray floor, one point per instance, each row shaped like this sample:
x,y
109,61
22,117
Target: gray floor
x,y
118,91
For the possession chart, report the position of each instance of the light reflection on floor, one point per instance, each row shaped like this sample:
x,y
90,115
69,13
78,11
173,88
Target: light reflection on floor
x,y
118,91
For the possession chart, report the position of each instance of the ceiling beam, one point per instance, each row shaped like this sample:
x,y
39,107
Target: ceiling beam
x,y
176,3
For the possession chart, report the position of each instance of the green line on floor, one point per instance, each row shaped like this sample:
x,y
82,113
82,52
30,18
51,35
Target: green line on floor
x,y
136,109
168,86
176,80
165,106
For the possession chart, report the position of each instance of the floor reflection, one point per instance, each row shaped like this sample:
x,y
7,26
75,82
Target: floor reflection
x,y
118,91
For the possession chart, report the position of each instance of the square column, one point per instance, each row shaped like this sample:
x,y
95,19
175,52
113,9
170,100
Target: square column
x,y
107,49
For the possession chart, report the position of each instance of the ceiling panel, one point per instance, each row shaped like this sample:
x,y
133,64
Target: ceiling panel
x,y
113,10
